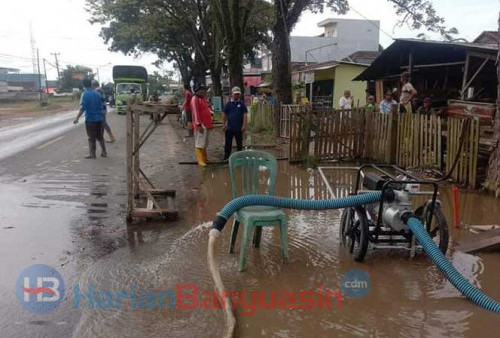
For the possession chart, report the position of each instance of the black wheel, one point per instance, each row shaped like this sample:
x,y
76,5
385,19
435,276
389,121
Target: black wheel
x,y
354,232
438,228
343,225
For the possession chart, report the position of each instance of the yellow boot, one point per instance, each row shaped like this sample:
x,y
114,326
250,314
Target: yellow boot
x,y
200,157
205,158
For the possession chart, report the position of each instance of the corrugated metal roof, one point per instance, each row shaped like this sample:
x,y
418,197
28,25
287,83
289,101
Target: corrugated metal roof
x,y
468,45
424,52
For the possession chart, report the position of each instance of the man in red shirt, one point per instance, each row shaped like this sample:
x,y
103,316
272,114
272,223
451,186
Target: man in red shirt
x,y
202,122
186,107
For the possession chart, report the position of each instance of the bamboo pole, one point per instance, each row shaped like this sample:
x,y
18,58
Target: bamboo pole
x,y
130,166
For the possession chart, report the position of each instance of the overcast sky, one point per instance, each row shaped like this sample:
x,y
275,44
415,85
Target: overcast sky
x,y
62,26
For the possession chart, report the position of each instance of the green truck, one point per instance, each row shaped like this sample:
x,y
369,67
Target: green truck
x,y
130,82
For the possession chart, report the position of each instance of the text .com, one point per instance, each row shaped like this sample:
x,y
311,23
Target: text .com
x,y
189,296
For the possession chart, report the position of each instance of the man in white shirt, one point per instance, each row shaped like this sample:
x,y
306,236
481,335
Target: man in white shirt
x,y
387,104
346,100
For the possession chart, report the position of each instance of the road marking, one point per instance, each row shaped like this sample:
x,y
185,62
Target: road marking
x,y
50,142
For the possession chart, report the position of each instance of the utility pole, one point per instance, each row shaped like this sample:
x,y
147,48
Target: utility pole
x,y
33,47
97,73
39,76
46,78
57,67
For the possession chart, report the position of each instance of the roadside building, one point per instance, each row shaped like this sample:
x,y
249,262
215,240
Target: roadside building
x,y
340,39
323,84
456,76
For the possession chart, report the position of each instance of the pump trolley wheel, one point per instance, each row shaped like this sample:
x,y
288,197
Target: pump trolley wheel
x,y
354,232
438,227
346,213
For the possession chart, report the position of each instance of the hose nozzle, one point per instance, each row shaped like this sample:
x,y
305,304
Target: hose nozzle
x,y
219,223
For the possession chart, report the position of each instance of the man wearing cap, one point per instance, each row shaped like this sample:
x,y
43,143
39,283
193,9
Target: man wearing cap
x,y
202,122
234,122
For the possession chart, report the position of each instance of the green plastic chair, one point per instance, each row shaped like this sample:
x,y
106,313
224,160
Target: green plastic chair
x,y
251,163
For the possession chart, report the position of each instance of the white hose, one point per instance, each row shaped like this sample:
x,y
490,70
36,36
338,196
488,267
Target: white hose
x,y
219,286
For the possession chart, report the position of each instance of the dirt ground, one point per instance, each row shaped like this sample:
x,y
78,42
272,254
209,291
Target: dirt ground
x,y
11,113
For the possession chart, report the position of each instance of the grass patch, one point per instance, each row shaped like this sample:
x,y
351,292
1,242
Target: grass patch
x,y
35,106
262,136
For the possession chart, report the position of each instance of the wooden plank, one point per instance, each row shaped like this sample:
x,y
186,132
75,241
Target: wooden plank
x,y
421,149
464,155
454,151
416,148
130,167
486,241
136,153
476,153
155,213
409,141
326,125
451,150
471,154
331,130
427,152
464,88
399,146
466,72
439,138
159,192
155,108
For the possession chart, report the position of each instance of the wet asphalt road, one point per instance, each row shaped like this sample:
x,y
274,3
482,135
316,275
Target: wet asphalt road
x,y
54,207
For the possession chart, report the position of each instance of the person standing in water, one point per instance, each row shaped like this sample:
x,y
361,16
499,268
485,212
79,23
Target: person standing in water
x,y
202,123
91,105
105,125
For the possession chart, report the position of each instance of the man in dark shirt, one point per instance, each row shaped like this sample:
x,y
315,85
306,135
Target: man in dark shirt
x,y
426,109
105,124
91,105
234,122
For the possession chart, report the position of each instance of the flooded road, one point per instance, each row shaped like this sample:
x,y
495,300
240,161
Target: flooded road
x,y
61,211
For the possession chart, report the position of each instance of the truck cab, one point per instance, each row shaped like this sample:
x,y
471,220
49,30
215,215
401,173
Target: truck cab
x,y
130,85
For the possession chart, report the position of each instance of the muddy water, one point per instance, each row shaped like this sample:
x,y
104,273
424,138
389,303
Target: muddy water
x,y
407,298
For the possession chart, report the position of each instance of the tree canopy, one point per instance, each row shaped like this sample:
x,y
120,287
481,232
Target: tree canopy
x,y
72,76
217,35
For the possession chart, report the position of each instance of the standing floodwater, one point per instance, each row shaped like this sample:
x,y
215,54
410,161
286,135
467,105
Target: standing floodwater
x,y
71,216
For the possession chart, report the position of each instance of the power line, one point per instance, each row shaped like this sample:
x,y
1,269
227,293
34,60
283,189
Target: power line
x,y
15,56
371,22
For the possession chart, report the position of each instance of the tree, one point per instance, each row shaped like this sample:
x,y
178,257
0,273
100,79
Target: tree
x,y
157,80
198,35
233,17
414,13
133,27
179,30
72,76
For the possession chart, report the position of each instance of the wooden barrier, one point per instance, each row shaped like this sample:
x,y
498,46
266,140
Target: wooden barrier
x,y
418,141
465,171
338,134
262,117
285,111
408,140
379,141
300,133
144,199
